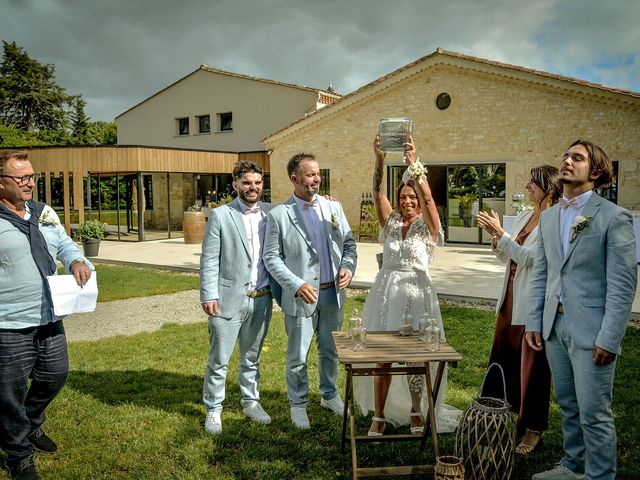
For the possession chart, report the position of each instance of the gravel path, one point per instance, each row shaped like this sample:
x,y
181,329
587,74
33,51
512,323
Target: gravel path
x,y
135,315
148,314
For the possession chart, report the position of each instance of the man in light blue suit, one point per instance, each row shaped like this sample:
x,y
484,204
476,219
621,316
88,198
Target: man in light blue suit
x,y
582,288
235,293
310,251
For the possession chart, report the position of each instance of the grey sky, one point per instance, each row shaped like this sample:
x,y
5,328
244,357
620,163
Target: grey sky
x,y
116,53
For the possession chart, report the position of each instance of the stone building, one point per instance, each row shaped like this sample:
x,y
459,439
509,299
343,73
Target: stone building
x,y
480,126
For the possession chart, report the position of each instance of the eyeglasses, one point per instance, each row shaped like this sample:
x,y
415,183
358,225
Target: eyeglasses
x,y
21,180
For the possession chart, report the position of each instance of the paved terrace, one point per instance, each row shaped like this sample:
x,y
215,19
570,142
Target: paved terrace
x,y
468,272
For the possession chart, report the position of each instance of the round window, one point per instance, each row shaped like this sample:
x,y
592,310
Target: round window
x,y
443,101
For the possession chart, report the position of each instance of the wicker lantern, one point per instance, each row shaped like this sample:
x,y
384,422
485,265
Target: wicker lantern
x,y
486,436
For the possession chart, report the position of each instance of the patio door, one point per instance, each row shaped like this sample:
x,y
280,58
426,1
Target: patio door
x,y
471,189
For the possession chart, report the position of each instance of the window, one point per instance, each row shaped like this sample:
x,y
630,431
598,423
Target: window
x,y
325,183
183,125
226,121
443,101
204,124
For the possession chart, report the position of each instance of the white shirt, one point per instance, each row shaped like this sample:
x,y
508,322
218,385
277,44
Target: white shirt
x,y
254,224
313,220
567,216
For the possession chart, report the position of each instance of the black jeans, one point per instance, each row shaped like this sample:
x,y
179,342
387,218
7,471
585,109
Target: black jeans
x,y
39,354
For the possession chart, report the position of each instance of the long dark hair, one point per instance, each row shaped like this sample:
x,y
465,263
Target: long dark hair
x,y
547,178
599,163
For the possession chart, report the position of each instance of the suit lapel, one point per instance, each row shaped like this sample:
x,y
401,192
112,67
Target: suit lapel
x,y
589,210
552,233
238,222
325,207
298,222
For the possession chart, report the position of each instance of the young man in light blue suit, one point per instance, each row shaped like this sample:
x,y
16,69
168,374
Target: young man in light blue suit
x,y
310,251
582,288
235,293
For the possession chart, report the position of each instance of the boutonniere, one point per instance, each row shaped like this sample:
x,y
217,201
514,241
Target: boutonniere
x,y
335,221
46,220
579,224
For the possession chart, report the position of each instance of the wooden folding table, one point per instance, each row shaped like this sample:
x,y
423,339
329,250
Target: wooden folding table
x,y
407,356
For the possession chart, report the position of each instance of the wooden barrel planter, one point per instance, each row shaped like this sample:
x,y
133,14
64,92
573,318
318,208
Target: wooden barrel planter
x,y
193,224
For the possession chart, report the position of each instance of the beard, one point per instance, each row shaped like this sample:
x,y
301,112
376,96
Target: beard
x,y
249,197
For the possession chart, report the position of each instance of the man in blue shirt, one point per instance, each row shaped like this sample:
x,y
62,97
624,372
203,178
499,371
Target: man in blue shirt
x,y
33,349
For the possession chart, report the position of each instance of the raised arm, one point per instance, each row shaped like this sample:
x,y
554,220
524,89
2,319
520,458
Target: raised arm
x,y
427,204
380,200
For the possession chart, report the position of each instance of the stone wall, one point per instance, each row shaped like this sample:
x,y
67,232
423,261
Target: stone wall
x,y
492,119
180,194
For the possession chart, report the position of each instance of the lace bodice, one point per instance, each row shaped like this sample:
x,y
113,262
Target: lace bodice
x,y
415,252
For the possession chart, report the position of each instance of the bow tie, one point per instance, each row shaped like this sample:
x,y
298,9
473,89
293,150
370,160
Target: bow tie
x,y
568,202
248,211
308,205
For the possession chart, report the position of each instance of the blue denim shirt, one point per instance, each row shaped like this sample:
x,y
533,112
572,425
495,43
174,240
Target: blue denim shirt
x,y
23,299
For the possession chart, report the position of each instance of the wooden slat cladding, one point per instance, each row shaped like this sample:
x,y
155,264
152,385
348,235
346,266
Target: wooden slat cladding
x,y
112,159
80,162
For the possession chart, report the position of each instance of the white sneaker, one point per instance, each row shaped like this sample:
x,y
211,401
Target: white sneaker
x,y
559,472
299,417
256,413
336,405
213,423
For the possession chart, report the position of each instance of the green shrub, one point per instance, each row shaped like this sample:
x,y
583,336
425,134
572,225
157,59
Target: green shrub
x,y
90,230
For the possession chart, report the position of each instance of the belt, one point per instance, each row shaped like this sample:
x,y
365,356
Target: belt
x,y
560,308
324,286
258,293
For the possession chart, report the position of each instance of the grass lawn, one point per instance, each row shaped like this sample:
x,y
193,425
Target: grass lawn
x,y
132,409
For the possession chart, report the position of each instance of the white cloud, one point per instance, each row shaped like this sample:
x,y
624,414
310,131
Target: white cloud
x,y
117,53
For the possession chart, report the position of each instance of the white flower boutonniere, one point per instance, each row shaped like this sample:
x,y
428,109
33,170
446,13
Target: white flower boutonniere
x,y
46,219
335,221
579,224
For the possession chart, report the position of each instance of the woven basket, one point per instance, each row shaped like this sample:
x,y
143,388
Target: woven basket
x,y
448,468
486,436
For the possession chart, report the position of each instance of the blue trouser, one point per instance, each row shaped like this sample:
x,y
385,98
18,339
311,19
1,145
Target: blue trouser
x,y
39,354
326,319
249,327
584,393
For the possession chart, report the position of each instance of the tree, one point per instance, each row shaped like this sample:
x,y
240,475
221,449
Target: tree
x,y
103,133
79,121
30,98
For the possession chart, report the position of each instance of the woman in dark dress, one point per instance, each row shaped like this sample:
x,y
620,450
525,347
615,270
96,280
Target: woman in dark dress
x,y
527,374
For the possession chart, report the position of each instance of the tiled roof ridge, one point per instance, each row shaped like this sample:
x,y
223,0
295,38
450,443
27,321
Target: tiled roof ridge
x,y
534,71
211,69
441,51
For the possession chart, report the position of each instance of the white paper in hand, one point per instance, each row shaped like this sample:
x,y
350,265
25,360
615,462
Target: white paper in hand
x,y
69,298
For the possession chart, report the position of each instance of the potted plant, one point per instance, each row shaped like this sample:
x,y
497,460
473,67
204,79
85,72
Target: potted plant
x,y
465,207
90,233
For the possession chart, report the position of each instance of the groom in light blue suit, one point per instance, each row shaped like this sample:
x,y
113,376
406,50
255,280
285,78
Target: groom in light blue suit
x,y
235,293
310,251
582,288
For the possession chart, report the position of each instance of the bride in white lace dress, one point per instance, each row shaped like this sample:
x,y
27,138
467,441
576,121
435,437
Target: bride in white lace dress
x,y
403,290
